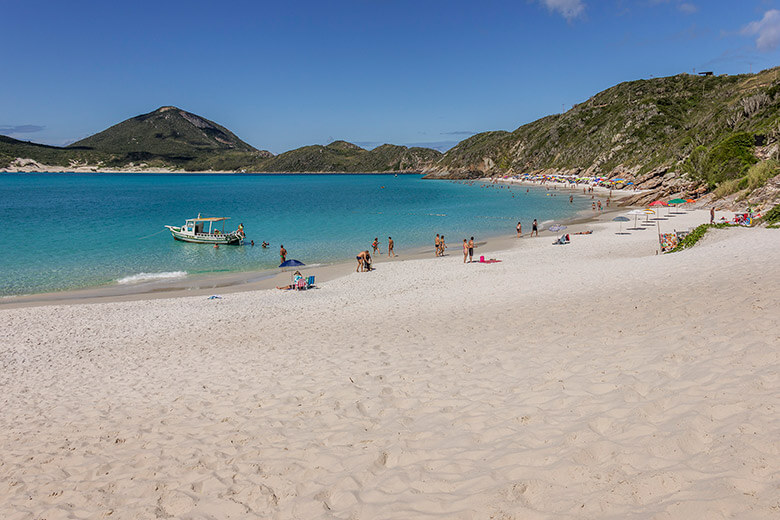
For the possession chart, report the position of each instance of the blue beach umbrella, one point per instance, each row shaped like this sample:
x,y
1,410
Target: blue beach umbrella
x,y
291,263
621,219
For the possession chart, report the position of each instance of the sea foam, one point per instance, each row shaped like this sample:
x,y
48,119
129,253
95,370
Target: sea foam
x,y
148,277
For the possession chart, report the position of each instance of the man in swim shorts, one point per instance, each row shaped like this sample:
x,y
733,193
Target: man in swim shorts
x,y
471,249
282,253
436,245
535,228
390,245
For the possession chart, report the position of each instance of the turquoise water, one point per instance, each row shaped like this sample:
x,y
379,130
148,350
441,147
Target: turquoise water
x,y
66,231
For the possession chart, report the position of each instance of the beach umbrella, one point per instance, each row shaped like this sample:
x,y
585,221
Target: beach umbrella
x,y
677,202
658,203
636,213
291,263
621,219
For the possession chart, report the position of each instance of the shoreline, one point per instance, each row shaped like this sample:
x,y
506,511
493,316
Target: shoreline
x,y
244,281
591,380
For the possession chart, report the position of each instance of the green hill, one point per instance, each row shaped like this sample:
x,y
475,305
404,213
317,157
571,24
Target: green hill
x,y
669,134
171,138
340,156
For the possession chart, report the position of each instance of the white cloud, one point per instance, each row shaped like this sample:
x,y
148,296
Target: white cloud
x,y
688,8
767,30
569,9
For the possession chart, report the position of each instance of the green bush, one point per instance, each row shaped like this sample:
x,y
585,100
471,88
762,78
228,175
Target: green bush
x,y
727,188
730,159
759,173
694,236
772,217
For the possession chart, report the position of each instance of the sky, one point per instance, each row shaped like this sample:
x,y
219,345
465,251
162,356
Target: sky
x,y
286,74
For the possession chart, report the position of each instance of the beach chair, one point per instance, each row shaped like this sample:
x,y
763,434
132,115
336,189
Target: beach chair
x,y
301,285
310,282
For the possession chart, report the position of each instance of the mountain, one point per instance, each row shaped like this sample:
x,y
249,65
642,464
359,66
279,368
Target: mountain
x,y
341,156
676,134
171,138
168,131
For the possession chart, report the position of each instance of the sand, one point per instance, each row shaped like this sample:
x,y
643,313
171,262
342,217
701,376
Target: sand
x,y
592,380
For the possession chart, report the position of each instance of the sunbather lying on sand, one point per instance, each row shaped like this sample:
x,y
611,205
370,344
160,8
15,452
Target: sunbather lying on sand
x,y
297,277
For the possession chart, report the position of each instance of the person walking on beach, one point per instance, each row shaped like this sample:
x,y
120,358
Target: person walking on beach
x,y
282,253
471,249
465,250
437,245
375,245
442,246
519,230
390,245
712,215
534,228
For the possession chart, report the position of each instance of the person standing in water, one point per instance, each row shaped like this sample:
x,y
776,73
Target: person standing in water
x,y
375,245
282,253
390,245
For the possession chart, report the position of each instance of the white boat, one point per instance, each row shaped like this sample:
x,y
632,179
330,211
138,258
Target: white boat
x,y
202,230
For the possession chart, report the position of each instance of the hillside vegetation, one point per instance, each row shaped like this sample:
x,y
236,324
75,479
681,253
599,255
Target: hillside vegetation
x,y
341,156
670,134
171,138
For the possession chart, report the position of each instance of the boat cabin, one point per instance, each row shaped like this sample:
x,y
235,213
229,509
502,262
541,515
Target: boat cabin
x,y
205,226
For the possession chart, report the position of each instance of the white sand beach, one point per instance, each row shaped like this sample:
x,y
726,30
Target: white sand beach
x,y
592,380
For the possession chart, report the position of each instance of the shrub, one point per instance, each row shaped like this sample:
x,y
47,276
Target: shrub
x,y
730,158
759,173
694,236
727,188
772,217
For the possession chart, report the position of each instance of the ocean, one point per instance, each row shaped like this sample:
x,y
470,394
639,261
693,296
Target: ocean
x,y
74,230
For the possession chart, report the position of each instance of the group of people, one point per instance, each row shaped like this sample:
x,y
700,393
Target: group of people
x,y
534,229
390,246
468,249
363,261
439,245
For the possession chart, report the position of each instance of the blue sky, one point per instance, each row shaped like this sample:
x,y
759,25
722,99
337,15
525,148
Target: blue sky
x,y
287,74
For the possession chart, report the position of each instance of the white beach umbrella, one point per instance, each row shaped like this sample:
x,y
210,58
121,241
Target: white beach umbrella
x,y
636,213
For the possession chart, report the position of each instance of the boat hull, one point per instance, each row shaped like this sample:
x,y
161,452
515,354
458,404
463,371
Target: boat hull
x,y
227,239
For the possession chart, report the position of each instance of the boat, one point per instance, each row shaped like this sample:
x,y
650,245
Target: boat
x,y
203,230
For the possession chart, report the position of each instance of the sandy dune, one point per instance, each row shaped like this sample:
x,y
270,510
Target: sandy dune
x,y
593,380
